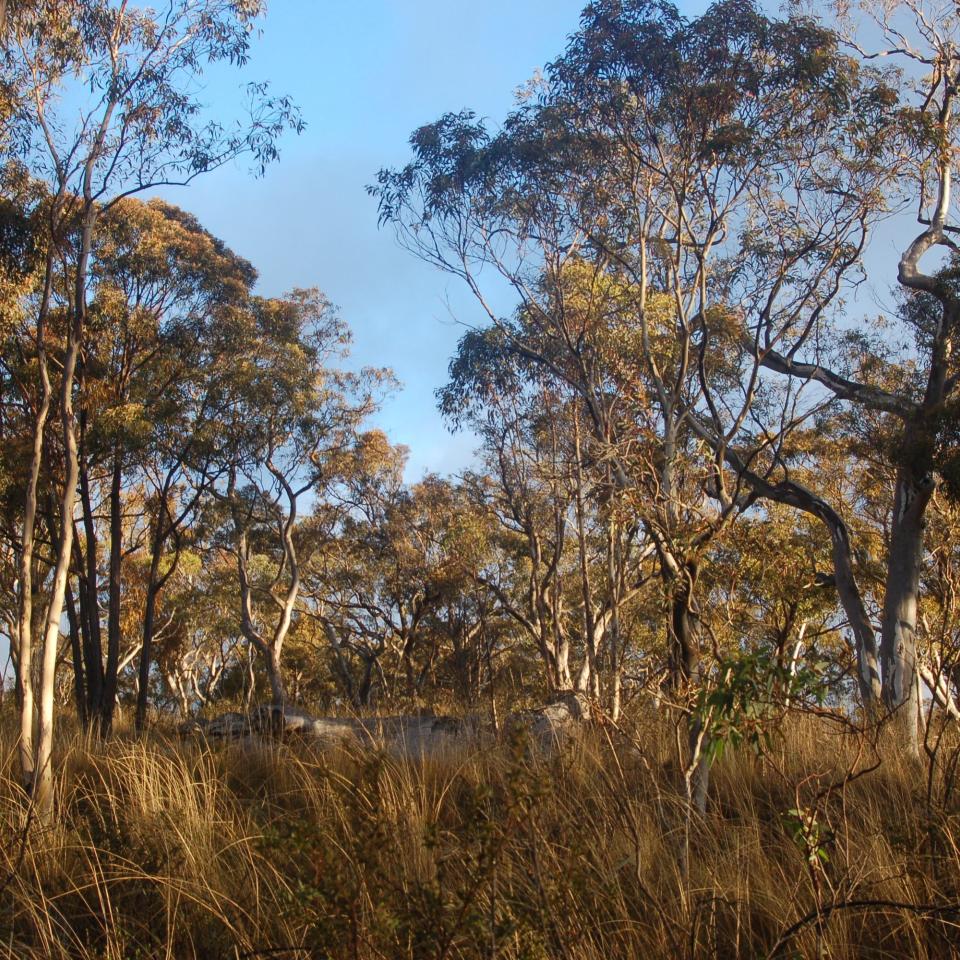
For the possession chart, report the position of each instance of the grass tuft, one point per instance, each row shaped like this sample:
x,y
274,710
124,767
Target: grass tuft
x,y
166,849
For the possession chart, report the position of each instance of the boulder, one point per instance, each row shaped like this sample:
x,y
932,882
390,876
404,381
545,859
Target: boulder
x,y
402,736
294,722
417,735
193,727
556,721
227,726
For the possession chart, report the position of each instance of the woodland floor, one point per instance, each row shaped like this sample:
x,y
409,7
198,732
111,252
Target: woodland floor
x,y
166,848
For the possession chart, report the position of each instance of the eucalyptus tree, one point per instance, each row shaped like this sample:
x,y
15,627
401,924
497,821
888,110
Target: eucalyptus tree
x,y
417,567
294,413
572,560
913,395
110,105
720,177
365,611
148,397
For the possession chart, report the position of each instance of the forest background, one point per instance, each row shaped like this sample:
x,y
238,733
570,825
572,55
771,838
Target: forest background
x,y
698,296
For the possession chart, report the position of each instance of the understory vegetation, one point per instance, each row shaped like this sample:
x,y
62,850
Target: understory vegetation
x,y
814,847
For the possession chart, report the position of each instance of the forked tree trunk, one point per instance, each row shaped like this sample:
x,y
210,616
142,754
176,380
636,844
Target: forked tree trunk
x,y
270,649
43,789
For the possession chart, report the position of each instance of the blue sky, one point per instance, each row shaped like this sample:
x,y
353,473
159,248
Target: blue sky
x,y
365,76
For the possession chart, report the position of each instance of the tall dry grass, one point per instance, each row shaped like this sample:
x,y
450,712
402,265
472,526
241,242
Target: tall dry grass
x,y
169,849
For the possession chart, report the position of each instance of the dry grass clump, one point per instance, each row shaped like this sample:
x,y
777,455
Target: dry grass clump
x,y
820,848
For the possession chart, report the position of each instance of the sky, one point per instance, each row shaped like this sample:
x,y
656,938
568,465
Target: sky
x,y
365,75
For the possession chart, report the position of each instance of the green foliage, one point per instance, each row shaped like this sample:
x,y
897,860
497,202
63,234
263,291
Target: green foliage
x,y
811,836
748,697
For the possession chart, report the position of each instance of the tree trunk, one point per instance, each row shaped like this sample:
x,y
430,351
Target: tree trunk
x,y
275,677
146,649
23,640
408,640
43,785
366,684
251,680
76,651
898,641
24,634
613,629
683,650
93,669
563,679
683,656
589,676
91,604
113,615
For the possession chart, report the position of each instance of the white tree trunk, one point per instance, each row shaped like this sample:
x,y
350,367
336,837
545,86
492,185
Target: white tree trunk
x,y
43,789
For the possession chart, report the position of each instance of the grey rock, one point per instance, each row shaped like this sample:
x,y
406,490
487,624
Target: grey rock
x,y
227,726
555,722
